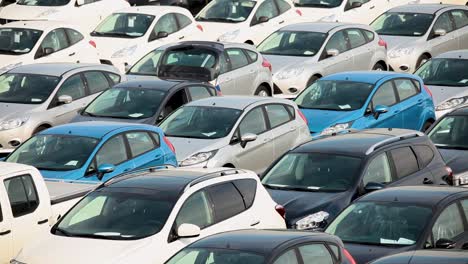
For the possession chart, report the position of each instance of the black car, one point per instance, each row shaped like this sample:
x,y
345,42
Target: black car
x,y
265,247
401,219
426,257
193,5
146,101
317,180
450,135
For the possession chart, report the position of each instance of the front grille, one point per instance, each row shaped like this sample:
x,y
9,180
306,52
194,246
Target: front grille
x,y
108,62
4,21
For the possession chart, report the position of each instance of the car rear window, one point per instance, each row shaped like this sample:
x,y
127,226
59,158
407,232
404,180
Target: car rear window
x,y
405,161
248,190
424,153
227,201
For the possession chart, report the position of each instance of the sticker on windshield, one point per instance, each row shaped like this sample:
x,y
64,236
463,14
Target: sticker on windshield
x,y
400,241
209,134
72,163
347,106
36,100
135,115
417,33
131,21
17,38
463,81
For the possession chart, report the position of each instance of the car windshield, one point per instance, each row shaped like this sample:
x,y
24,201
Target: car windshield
x,y
381,224
402,24
26,88
444,72
230,11
334,95
43,2
118,214
147,65
127,103
200,122
54,152
318,3
18,41
451,132
213,255
313,172
124,25
293,43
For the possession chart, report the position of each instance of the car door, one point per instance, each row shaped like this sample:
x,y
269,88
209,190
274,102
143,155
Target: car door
x,y
259,31
283,129
450,225
407,169
384,96
364,14
144,149
55,42
411,103
225,83
378,170
447,42
464,241
168,24
6,237
460,18
188,31
242,72
344,60
84,51
361,48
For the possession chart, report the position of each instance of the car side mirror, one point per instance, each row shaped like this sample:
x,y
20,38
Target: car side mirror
x,y
65,99
333,52
380,109
373,186
104,169
249,137
440,32
80,2
445,243
188,231
356,5
47,51
159,35
263,19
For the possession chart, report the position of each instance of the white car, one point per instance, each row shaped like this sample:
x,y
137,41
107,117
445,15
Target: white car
x,y
246,21
125,36
148,216
43,41
85,13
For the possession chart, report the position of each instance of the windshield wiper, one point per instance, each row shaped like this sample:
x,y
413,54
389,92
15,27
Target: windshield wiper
x,y
66,233
9,51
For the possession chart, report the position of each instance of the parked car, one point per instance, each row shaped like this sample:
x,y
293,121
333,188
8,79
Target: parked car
x,y
246,21
416,33
94,151
132,217
30,206
38,96
366,100
194,6
317,180
128,34
403,219
84,13
264,247
6,2
446,78
240,132
426,256
450,135
147,102
302,53
43,41
235,69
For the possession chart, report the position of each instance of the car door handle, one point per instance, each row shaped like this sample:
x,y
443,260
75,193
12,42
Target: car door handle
x,y
254,223
281,22
43,221
396,111
158,156
5,232
427,181
266,139
127,169
72,54
372,7
292,129
182,37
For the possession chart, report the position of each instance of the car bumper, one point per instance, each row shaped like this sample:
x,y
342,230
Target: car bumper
x,y
12,138
288,88
401,64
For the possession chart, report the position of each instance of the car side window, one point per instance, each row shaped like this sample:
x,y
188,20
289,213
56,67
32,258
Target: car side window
x,y
266,9
197,210
74,36
166,23
199,92
183,20
157,138
338,41
97,82
443,22
289,257
277,115
253,122
177,100
424,153
223,64
349,4
283,6
237,58
385,95
252,55
406,88
356,38
56,40
405,161
227,201
73,87
378,170
1,214
22,195
369,34
460,17
316,253
112,152
464,204
140,143
115,78
449,224
248,190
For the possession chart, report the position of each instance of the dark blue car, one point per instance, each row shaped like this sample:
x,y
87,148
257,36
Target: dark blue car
x,y
94,151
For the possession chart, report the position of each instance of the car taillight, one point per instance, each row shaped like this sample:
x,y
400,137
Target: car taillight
x,y
382,43
92,43
449,175
299,12
266,64
281,211
302,116
427,90
200,27
169,144
348,256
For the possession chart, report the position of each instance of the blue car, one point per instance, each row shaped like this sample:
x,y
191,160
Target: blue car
x,y
95,151
362,100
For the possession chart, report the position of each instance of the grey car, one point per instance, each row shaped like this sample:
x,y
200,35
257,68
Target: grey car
x,y
446,76
38,96
302,53
235,131
415,33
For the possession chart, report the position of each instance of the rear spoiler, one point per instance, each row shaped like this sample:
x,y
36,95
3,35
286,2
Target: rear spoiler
x,y
461,180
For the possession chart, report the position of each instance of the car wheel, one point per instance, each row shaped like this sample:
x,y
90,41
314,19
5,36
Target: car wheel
x,y
426,126
39,129
378,67
423,59
312,80
262,91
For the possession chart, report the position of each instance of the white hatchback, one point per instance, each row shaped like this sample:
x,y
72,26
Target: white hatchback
x,y
147,216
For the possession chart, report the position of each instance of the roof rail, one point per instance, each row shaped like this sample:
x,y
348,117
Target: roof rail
x,y
213,175
392,140
134,173
341,132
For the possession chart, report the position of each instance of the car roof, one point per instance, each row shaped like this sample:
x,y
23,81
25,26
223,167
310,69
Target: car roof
x,y
371,77
58,69
449,256
157,84
355,143
428,195
235,102
460,111
152,9
322,27
258,241
455,54
38,24
94,129
420,8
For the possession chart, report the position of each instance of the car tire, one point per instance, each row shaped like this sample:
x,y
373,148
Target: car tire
x,y
378,67
312,80
426,126
262,91
39,129
423,59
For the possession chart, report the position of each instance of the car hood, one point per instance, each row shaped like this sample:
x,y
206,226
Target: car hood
x,y
23,12
395,42
216,29
318,14
366,253
186,147
82,118
62,175
280,63
108,46
6,60
10,111
301,204
321,119
457,160
442,93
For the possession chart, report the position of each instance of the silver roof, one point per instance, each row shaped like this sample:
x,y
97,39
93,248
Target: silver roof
x,y
59,69
236,102
319,26
422,8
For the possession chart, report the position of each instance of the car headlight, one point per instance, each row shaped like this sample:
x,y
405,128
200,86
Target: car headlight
x,y
289,73
125,52
229,36
13,123
14,261
336,128
396,53
198,158
452,103
330,18
10,66
48,13
312,221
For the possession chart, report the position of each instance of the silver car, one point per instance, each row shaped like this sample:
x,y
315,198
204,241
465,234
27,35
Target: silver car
x,y
302,53
416,33
38,96
233,131
446,76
